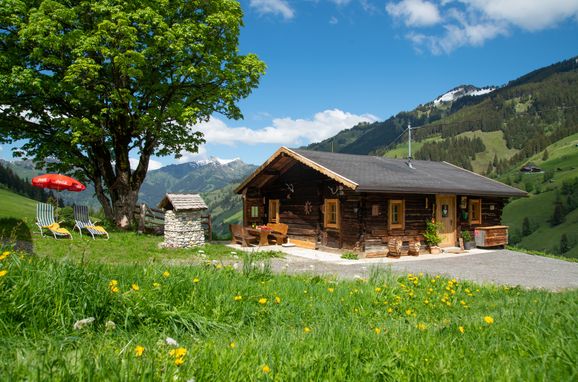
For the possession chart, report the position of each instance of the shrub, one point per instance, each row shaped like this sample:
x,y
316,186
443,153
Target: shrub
x,y
350,255
431,236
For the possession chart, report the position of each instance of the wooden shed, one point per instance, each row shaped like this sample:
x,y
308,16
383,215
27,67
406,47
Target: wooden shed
x,y
362,202
183,214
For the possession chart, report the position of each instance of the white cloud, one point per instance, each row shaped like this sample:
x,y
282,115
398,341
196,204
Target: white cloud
x,y
531,15
458,23
153,164
275,7
284,131
186,156
416,13
333,20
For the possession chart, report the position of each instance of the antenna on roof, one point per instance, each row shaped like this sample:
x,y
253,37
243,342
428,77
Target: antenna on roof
x,y
409,146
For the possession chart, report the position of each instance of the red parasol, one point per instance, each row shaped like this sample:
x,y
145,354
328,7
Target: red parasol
x,y
58,182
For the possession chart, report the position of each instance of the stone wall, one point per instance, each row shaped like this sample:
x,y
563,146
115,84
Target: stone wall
x,y
183,229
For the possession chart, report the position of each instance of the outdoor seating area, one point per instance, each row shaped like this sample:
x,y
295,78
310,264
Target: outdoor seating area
x,y
270,234
45,219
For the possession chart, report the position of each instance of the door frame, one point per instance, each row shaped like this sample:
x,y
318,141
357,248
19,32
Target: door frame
x,y
453,219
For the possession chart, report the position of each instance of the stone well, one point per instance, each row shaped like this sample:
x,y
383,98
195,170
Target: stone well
x,y
183,228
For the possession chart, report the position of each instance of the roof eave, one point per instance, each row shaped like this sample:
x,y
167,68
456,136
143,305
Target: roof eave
x,y
303,160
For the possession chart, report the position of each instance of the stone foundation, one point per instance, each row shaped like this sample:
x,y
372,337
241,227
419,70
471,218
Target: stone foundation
x,y
183,229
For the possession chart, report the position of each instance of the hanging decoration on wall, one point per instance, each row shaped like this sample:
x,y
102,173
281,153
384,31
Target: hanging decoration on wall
x,y
291,189
308,208
333,191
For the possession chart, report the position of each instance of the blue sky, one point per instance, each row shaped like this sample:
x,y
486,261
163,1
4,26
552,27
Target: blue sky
x,y
334,63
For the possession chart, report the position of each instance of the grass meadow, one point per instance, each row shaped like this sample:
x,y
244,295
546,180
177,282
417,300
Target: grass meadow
x,y
125,310
66,318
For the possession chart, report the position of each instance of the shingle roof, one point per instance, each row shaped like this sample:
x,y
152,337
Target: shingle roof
x,y
180,202
373,173
366,173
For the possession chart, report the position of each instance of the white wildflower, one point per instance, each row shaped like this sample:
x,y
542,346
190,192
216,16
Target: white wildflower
x,y
82,323
171,341
110,325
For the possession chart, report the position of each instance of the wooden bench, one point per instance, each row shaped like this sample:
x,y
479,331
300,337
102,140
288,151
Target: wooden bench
x,y
279,232
239,236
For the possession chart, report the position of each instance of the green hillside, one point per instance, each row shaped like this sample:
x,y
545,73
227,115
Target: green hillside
x,y
538,208
16,206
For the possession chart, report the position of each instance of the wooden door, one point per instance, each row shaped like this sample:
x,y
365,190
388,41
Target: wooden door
x,y
446,217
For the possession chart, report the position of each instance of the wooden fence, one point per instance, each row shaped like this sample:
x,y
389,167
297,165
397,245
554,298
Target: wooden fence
x,y
152,220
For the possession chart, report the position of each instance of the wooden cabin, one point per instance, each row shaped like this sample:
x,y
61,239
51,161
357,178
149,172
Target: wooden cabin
x,y
361,202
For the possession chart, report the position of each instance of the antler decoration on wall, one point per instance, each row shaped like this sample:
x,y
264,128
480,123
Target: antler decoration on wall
x,y
333,191
290,188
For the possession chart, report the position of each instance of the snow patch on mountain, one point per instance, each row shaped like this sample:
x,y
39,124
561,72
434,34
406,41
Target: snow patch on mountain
x,y
462,91
219,161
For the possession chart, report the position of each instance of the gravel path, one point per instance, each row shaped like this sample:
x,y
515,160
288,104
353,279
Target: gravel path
x,y
501,267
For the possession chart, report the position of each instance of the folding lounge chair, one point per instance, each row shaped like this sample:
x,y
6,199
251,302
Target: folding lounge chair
x,y
45,219
83,221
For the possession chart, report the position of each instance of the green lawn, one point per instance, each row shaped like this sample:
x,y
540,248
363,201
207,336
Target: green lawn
x,y
103,310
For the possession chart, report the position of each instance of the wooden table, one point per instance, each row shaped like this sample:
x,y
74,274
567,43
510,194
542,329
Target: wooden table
x,y
263,234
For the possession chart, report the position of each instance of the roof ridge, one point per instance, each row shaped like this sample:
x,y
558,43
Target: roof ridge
x,y
484,177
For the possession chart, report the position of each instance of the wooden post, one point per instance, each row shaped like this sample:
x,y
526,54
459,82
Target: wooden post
x,y
141,220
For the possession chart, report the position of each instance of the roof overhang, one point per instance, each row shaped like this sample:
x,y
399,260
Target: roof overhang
x,y
275,165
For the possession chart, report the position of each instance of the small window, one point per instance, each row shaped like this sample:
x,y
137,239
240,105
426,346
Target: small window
x,y
254,211
274,211
475,207
375,210
331,218
396,214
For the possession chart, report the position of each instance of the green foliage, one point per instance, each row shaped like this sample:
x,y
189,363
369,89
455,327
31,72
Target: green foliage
x,y
88,81
348,255
224,318
564,245
431,236
459,151
466,235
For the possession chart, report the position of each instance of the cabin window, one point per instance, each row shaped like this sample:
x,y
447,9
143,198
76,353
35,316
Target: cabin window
x,y
396,214
331,218
254,211
273,210
475,207
375,210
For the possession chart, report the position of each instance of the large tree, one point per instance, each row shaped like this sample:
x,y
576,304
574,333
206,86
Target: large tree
x,y
90,82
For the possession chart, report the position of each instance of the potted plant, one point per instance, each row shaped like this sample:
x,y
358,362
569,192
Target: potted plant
x,y
467,237
431,236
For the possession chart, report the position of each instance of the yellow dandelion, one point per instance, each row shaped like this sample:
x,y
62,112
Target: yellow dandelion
x,y
262,301
266,369
277,300
330,290
156,285
378,289
389,310
178,352
489,320
433,281
113,283
377,330
426,302
4,255
114,289
179,361
3,273
138,350
421,326
307,329
219,266
461,329
232,345
135,287
166,274
238,297
196,280
408,312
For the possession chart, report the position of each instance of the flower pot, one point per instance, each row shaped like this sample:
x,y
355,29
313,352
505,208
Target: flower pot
x,y
469,245
434,250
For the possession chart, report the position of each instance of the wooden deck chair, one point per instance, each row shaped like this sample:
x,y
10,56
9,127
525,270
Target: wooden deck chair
x,y
83,221
45,219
